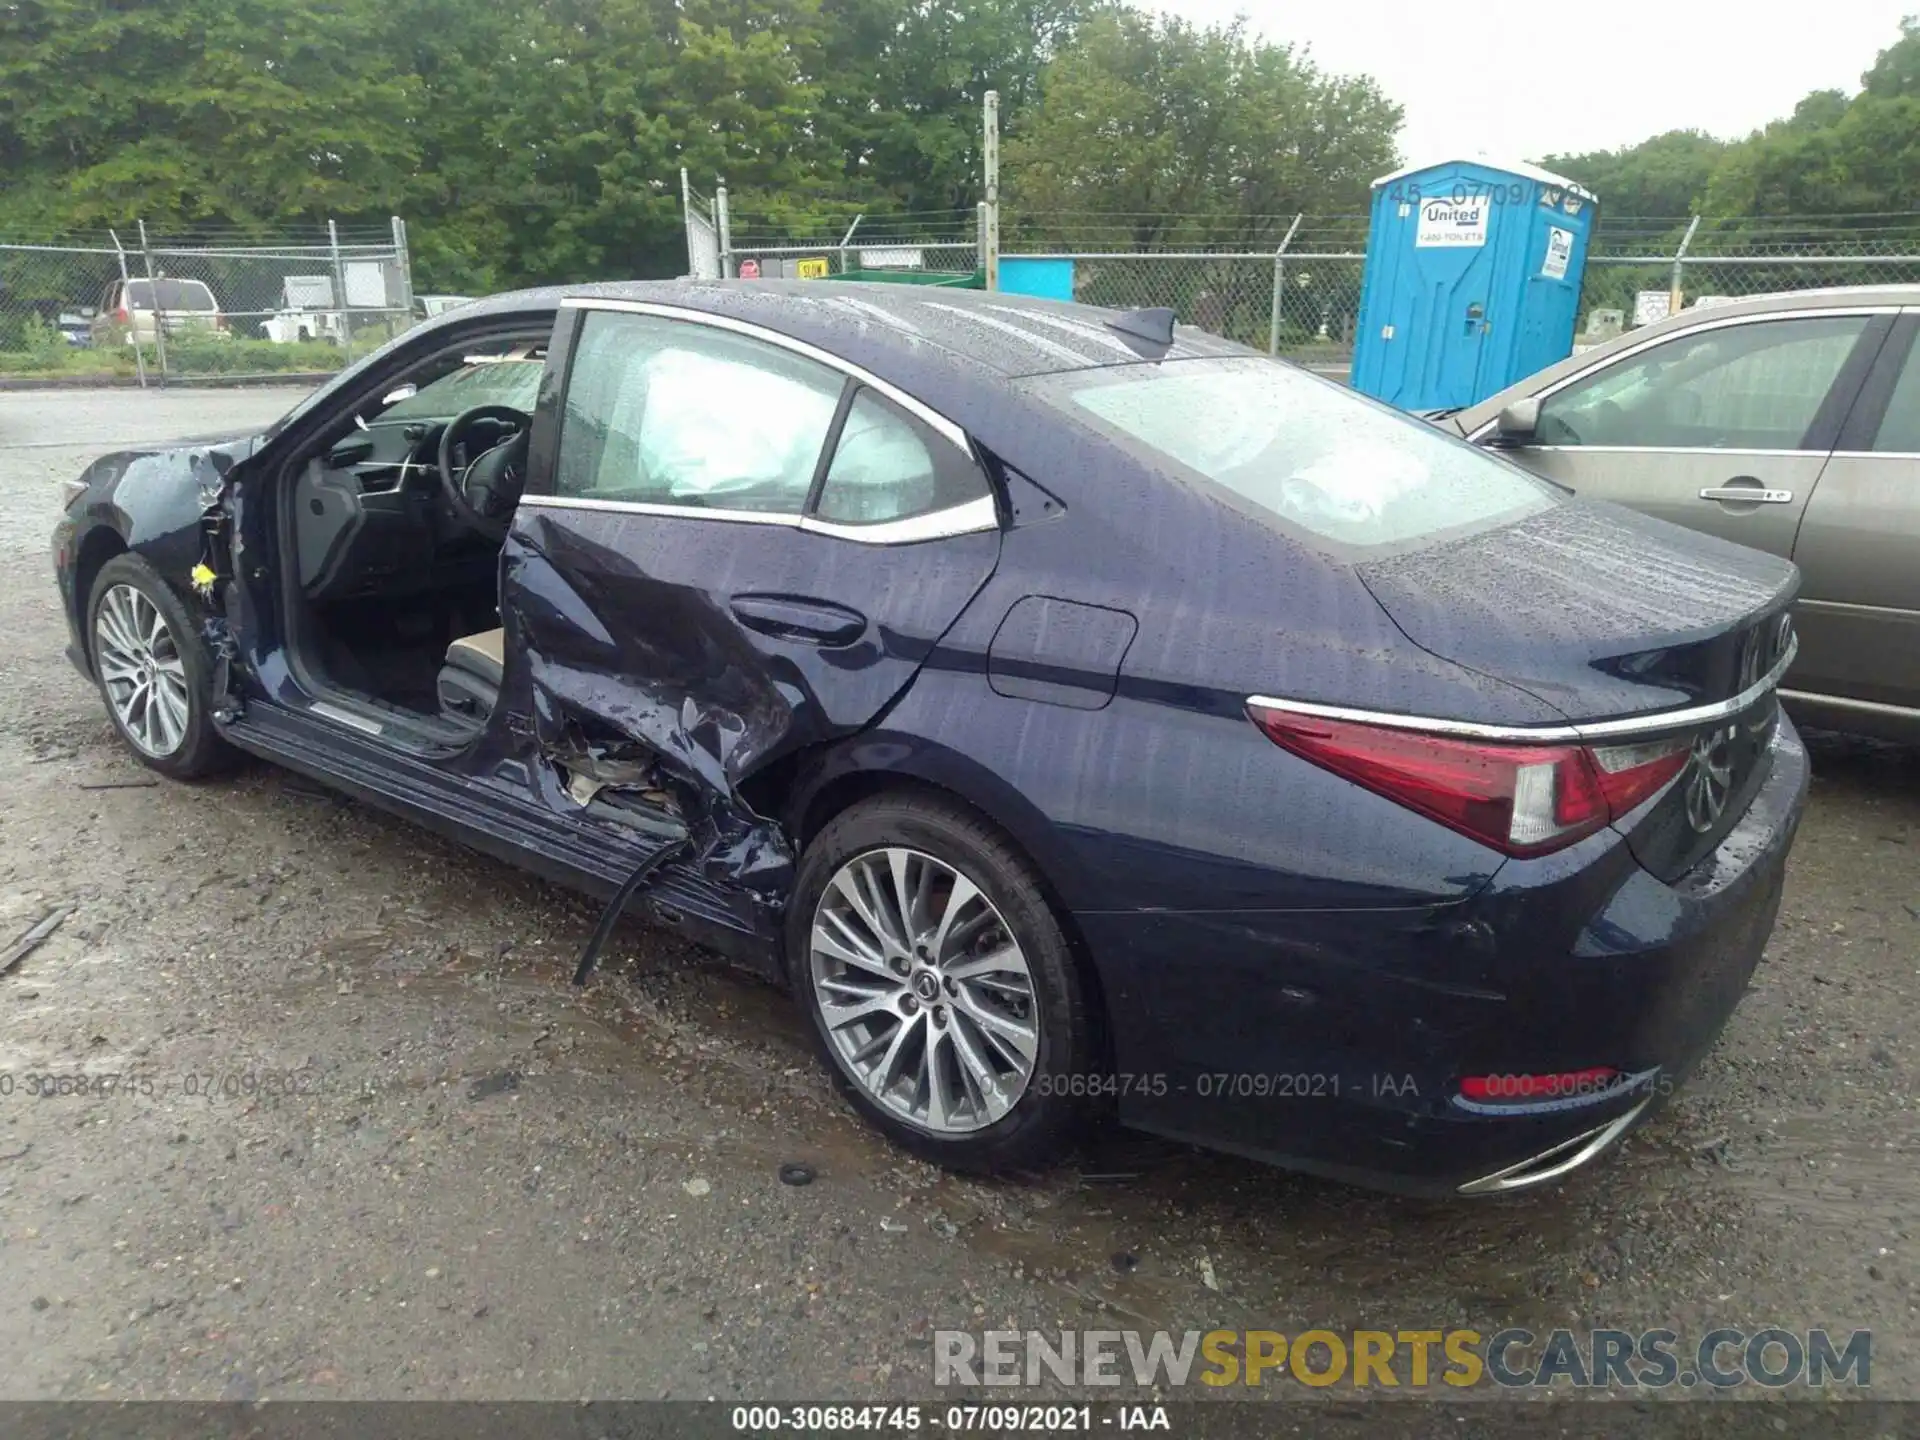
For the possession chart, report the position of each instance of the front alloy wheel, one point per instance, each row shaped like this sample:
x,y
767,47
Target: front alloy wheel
x,y
154,672
925,994
141,671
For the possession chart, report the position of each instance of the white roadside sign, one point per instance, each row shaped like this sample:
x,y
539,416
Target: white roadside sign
x,y
1651,305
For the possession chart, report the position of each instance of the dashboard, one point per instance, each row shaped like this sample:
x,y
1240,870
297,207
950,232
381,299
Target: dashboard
x,y
370,516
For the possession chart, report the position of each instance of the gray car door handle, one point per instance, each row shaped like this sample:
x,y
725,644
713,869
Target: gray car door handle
x,y
1747,495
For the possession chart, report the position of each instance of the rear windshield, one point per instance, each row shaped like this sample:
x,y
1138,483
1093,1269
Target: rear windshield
x,y
1320,457
174,295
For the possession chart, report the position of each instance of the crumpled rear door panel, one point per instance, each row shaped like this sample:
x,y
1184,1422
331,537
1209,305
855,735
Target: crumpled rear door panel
x,y
710,648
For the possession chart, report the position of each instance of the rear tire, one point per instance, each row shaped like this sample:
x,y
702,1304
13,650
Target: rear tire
x,y
964,955
153,670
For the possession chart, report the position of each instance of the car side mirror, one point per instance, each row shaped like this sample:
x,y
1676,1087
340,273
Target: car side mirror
x,y
1516,424
404,392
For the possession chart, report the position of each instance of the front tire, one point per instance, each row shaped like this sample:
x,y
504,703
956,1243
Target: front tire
x,y
153,671
941,989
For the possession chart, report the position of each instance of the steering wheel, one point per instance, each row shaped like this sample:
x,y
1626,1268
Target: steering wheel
x,y
484,494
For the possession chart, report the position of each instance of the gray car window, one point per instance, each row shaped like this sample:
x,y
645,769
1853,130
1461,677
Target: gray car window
x,y
1737,387
888,466
1899,431
173,295
670,413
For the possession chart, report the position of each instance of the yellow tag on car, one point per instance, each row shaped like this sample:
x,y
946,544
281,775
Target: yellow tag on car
x,y
203,578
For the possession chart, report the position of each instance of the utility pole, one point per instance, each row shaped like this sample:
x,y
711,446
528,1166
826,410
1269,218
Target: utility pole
x,y
159,310
1675,289
1280,286
990,160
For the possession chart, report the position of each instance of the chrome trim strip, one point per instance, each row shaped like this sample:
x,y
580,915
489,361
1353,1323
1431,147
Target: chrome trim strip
x,y
917,408
1761,317
1670,450
670,512
1654,724
1865,707
967,519
1583,1147
326,710
1744,495
970,518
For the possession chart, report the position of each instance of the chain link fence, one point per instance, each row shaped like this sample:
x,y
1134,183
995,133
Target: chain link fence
x,y
200,307
938,247
925,247
1299,295
1303,305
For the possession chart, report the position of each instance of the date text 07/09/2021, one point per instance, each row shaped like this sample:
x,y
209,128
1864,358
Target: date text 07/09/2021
x,y
959,1419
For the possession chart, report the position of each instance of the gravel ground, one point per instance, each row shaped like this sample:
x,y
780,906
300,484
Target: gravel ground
x,y
490,1186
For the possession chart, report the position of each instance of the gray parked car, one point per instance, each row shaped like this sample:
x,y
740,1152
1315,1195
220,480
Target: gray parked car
x,y
1790,423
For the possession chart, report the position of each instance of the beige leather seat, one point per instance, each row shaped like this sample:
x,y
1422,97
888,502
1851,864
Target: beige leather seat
x,y
469,683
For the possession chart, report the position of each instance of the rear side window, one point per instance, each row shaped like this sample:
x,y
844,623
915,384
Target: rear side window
x,y
890,466
1317,456
1899,432
181,295
1753,386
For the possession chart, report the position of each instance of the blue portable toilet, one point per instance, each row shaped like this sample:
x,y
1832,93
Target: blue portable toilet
x,y
1472,280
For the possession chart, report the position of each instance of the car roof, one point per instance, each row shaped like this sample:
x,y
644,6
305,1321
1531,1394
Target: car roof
x,y
1783,302
1007,334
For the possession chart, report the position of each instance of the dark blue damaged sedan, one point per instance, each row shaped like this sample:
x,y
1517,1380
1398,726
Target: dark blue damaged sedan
x,y
1079,714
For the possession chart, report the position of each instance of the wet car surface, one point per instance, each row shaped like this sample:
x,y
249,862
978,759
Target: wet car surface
x,y
1078,711
488,1186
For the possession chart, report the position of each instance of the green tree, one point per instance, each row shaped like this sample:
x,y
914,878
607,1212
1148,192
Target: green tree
x,y
238,111
904,81
1163,131
555,131
538,140
1666,176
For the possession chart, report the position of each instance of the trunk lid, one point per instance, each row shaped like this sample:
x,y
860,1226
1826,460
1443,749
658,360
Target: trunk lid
x,y
1616,620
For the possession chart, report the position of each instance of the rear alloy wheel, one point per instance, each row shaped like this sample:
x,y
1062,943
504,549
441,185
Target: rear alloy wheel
x,y
153,670
940,985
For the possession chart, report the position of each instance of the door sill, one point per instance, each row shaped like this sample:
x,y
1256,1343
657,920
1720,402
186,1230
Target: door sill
x,y
425,737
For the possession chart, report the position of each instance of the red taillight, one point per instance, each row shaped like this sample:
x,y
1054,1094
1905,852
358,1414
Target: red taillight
x,y
1630,774
1520,799
122,315
1519,1089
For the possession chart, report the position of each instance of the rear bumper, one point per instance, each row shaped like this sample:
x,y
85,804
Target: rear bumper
x,y
1334,1041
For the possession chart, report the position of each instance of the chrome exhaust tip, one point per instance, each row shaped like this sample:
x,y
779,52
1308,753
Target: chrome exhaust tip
x,y
1562,1159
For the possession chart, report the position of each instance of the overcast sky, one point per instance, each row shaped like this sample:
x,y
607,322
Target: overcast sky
x,y
1521,79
